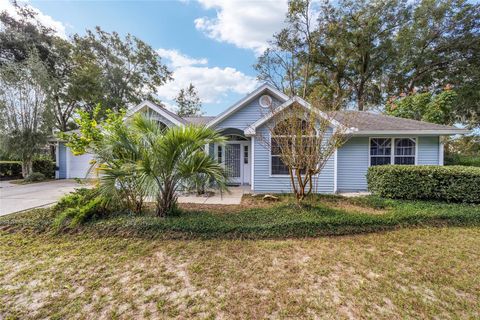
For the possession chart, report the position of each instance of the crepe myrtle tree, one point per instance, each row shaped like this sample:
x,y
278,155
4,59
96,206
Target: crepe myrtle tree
x,y
301,141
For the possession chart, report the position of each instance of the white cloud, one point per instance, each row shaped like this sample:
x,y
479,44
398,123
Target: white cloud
x,y
177,59
213,83
246,24
46,20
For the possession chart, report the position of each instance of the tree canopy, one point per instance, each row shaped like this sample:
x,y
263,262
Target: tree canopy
x,y
188,102
361,53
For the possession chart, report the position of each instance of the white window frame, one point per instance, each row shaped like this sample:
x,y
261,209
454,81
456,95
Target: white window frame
x,y
392,154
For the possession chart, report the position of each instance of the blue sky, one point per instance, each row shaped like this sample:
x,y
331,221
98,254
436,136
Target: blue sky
x,y
211,43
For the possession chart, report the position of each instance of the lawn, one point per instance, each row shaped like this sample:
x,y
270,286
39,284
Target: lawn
x,y
200,263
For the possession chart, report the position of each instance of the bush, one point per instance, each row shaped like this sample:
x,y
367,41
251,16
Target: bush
x,y
78,207
35,177
45,166
462,160
10,169
453,183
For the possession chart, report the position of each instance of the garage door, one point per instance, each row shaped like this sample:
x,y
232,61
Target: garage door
x,y
78,166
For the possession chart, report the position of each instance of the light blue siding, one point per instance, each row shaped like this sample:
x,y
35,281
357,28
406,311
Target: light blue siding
x,y
247,115
62,161
352,165
352,161
428,150
265,183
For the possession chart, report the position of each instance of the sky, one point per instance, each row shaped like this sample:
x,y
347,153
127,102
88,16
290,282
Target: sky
x,y
210,43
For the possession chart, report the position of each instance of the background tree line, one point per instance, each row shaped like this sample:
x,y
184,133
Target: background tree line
x,y
363,54
45,80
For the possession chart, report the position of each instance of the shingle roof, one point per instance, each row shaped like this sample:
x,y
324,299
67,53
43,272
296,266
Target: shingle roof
x,y
201,120
367,121
171,113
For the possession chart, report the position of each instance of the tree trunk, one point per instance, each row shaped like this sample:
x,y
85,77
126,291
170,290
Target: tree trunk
x,y
27,167
166,200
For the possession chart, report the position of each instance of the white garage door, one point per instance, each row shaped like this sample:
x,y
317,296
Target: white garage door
x,y
78,166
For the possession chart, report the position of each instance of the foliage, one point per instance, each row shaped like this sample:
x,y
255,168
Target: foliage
x,y
23,109
424,107
320,216
360,52
462,160
45,166
171,157
90,132
10,169
130,70
304,141
79,207
98,67
188,102
35,177
453,183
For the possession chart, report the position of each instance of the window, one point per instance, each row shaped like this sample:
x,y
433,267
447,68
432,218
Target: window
x,y
380,151
302,145
392,151
245,154
219,154
278,167
404,151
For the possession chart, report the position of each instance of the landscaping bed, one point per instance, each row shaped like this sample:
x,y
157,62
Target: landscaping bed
x,y
255,219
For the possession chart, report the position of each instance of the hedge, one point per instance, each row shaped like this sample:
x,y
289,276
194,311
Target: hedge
x,y
10,169
13,169
452,183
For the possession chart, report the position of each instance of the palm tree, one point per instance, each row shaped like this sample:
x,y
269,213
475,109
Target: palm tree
x,y
117,155
172,156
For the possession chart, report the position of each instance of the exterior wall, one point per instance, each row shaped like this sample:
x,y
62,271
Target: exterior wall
x,y
265,183
428,150
352,164
247,115
353,160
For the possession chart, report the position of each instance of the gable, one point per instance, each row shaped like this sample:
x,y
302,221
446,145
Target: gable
x,y
157,112
247,110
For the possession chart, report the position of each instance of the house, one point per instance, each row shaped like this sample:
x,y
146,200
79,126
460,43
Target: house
x,y
376,139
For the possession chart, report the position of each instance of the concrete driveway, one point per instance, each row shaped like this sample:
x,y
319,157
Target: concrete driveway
x,y
18,197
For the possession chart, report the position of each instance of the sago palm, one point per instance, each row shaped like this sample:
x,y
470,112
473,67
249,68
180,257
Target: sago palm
x,y
172,156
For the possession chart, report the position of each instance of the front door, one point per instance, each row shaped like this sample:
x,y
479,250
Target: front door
x,y
235,156
232,162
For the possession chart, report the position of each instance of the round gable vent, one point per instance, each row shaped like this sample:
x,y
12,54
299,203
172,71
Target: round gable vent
x,y
265,101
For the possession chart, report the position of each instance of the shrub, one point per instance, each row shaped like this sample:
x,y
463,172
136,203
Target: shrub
x,y
78,207
35,177
10,169
462,160
45,166
454,183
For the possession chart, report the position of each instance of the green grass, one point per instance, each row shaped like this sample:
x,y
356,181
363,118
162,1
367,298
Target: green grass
x,y
199,264
320,216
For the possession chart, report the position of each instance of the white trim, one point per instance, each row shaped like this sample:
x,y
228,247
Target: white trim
x,y
244,101
251,130
155,108
57,160
445,132
335,168
252,163
441,152
67,163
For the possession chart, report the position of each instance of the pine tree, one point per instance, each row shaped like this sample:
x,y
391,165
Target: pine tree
x,y
188,102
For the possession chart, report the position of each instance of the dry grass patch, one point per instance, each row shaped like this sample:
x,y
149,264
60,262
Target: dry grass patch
x,y
422,273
